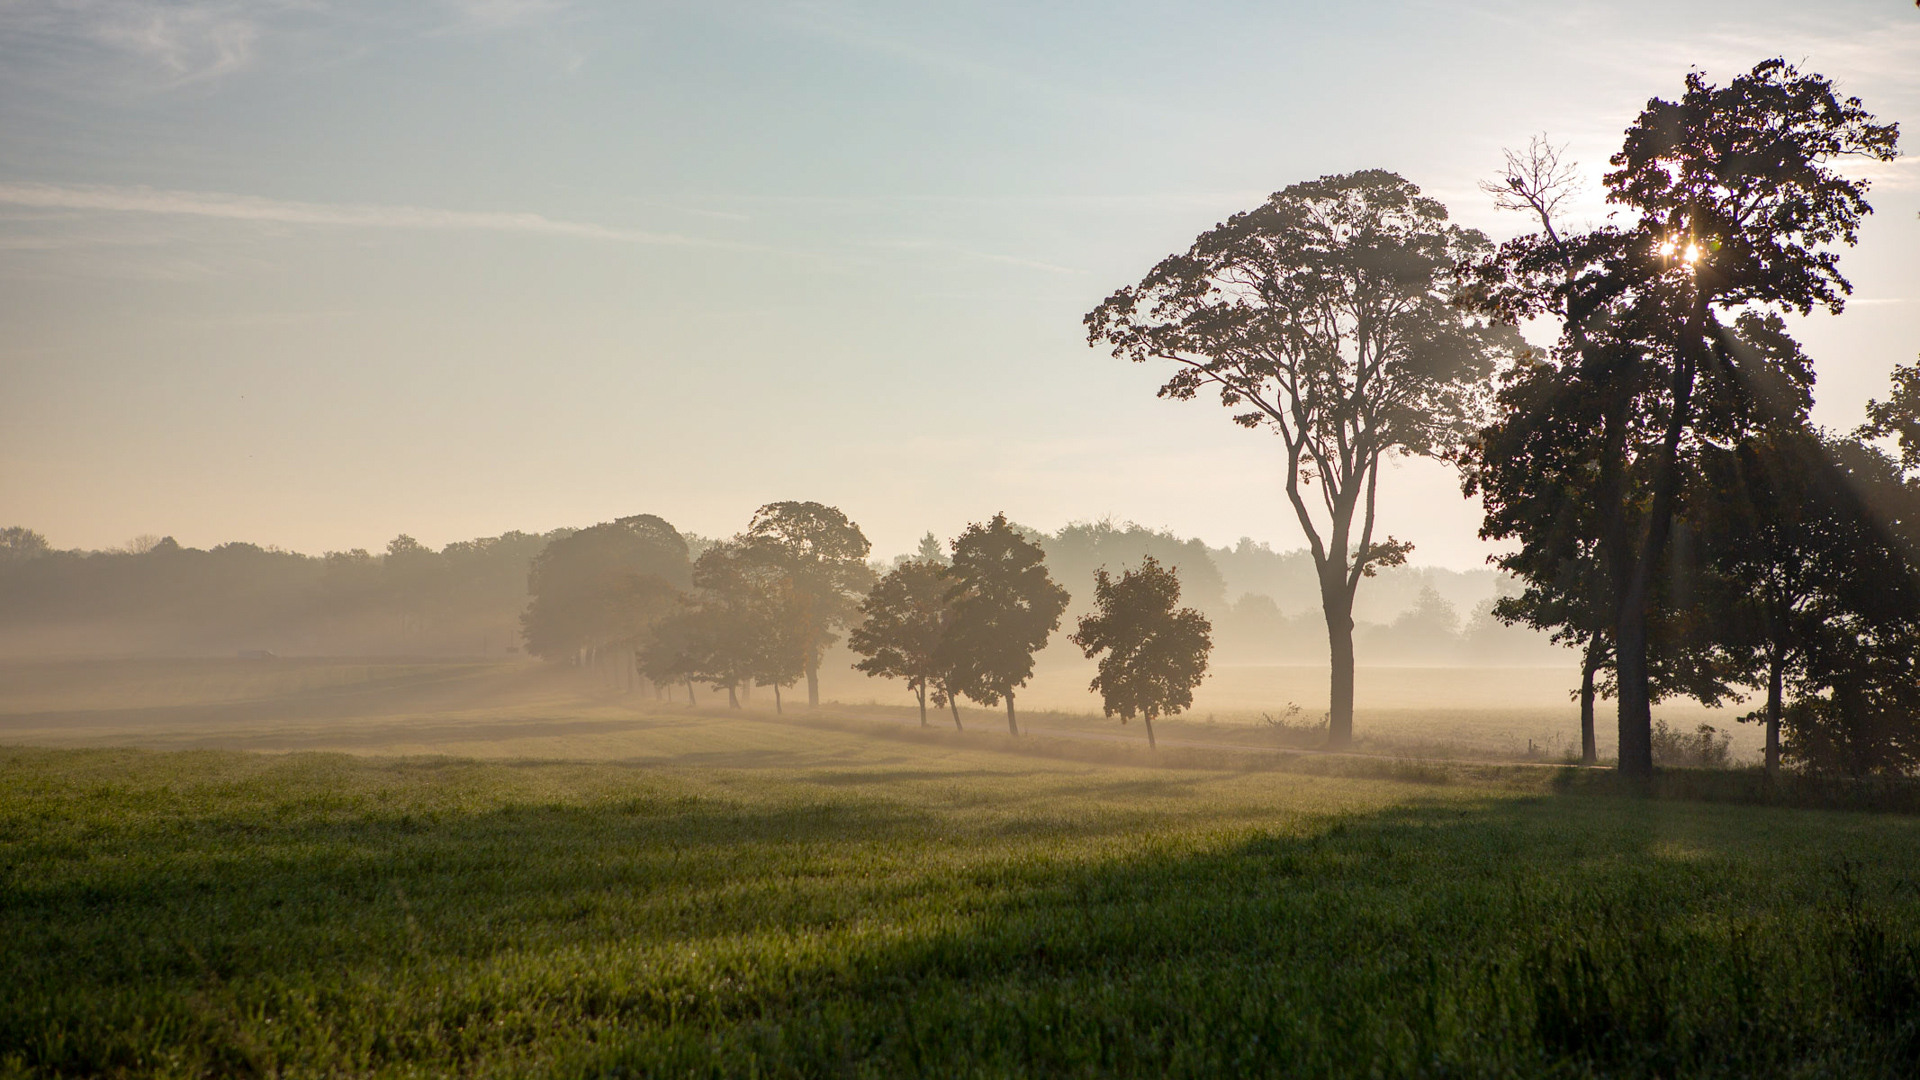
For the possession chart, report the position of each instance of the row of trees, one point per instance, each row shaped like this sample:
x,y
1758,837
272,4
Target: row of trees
x,y
1674,513
762,608
969,627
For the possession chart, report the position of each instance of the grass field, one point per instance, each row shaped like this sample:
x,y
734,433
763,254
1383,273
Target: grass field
x,y
588,889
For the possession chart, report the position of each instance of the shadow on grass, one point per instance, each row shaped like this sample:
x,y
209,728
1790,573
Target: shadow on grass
x,y
313,927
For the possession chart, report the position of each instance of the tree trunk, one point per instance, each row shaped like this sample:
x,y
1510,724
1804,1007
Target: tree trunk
x,y
1636,703
954,704
813,682
1630,645
733,699
777,710
691,704
1012,728
923,704
1338,607
1589,750
1776,672
1150,742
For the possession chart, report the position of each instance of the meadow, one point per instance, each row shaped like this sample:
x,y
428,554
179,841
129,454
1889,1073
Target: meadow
x,y
422,870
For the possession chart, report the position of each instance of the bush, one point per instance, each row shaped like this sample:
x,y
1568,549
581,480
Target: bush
x,y
1706,748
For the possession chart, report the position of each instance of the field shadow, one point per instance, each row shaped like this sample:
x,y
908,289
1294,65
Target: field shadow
x,y
668,933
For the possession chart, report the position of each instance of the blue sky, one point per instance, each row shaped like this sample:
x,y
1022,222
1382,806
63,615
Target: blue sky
x,y
313,274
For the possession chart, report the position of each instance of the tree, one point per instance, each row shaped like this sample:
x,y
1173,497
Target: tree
x,y
1732,209
1323,314
906,618
1815,593
1005,606
1155,654
590,589
746,624
825,556
17,542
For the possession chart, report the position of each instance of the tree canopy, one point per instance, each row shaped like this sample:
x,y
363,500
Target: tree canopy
x,y
824,556
1155,653
1005,607
906,617
1731,207
1325,315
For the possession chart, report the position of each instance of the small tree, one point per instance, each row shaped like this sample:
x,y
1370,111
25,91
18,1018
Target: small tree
x,y
906,618
825,556
1155,654
745,625
1005,606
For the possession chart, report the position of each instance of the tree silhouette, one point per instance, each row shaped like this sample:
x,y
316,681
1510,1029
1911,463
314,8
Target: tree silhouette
x,y
1813,587
1731,208
825,556
746,624
1325,315
1155,654
603,587
1005,606
17,542
906,617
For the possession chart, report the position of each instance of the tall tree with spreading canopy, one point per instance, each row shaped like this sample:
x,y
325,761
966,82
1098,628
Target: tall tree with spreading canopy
x,y
1325,315
1156,652
1005,607
906,617
825,556
1732,208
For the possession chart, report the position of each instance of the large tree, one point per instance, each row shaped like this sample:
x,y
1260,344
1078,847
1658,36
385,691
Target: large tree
x,y
825,556
906,617
1156,652
1324,314
603,587
1730,206
1005,606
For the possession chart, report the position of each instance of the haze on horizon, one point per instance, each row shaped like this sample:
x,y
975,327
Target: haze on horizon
x,y
313,275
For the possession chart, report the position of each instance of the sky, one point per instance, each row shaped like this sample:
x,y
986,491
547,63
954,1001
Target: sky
x,y
312,274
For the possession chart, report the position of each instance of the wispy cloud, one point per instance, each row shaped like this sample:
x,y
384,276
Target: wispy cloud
x,y
248,208
184,40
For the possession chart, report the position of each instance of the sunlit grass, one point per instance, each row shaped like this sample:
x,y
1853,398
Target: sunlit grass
x,y
757,898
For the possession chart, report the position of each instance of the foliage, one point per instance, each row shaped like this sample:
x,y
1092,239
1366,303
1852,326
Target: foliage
x,y
824,556
1323,315
1811,587
906,617
747,623
1155,654
603,586
1005,607
1706,748
18,543
1731,207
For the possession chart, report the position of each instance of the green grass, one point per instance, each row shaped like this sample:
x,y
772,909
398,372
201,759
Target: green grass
x,y
754,898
